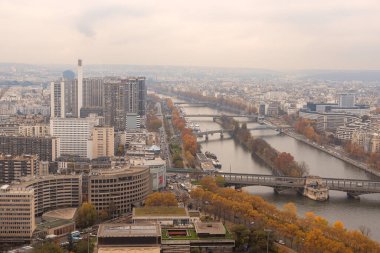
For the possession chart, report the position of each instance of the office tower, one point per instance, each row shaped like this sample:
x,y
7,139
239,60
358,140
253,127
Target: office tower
x,y
102,142
80,87
57,99
132,121
17,221
346,99
13,167
122,96
73,134
47,148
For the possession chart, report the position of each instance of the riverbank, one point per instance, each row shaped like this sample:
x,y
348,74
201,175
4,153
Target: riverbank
x,y
333,153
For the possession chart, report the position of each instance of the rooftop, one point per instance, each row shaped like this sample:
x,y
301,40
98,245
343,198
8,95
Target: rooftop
x,y
211,228
64,213
129,230
129,250
159,211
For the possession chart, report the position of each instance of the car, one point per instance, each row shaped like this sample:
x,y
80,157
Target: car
x,y
281,242
63,244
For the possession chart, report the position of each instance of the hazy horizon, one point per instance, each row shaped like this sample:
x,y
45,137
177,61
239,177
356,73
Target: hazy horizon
x,y
267,35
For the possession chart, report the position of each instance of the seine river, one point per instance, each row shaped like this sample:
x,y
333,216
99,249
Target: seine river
x,y
353,213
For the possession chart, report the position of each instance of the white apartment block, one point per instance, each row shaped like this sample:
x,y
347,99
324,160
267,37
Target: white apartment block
x,y
74,134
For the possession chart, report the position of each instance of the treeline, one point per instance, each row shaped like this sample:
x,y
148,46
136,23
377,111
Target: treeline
x,y
189,140
281,163
311,234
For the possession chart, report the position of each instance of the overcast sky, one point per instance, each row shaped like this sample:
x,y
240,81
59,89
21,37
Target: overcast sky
x,y
273,34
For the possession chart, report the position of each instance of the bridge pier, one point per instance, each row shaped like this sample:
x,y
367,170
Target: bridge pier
x,y
353,195
221,135
206,137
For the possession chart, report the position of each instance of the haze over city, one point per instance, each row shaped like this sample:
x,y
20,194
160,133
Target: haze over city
x,y
334,34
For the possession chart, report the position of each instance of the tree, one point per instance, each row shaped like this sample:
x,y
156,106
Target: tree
x,y
48,247
161,199
241,235
86,215
103,215
84,246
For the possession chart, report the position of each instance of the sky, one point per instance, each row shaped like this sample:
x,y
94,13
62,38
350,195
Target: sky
x,y
268,34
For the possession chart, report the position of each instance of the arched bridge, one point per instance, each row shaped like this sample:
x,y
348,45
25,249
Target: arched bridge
x,y
352,187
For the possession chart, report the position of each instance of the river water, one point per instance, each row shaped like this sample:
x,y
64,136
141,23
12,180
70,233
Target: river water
x,y
353,213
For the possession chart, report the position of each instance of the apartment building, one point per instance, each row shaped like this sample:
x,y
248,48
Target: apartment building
x,y
13,167
118,189
53,191
102,142
47,148
73,134
17,221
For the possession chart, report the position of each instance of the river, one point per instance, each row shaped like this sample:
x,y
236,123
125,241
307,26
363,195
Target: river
x,y
353,213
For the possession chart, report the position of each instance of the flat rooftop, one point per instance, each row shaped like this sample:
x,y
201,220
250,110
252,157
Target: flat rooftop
x,y
129,230
129,250
64,213
159,212
211,228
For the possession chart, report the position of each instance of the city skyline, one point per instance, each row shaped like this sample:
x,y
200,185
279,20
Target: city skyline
x,y
254,34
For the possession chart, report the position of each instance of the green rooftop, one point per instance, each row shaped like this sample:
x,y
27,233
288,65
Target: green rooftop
x,y
160,211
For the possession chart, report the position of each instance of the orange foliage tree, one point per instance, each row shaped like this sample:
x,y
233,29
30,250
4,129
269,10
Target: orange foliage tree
x,y
161,199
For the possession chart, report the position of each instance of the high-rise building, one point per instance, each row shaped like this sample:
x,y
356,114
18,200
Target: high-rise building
x,y
132,121
80,87
92,93
346,99
73,134
57,99
13,167
71,97
102,142
47,148
17,221
122,96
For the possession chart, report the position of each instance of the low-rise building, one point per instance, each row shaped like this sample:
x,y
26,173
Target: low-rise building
x,y
166,216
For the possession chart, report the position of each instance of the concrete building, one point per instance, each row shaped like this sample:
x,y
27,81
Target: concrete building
x,y
345,132
102,142
142,238
17,216
328,121
346,99
118,189
80,87
122,96
13,167
71,97
47,148
38,130
157,169
74,134
166,216
53,191
133,121
57,99
93,93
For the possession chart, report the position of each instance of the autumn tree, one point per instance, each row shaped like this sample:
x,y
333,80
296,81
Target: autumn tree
x,y
161,199
86,215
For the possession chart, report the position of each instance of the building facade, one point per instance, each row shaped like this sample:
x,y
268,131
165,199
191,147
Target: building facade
x,y
38,130
117,190
122,96
102,142
74,134
17,216
47,148
57,99
53,191
13,167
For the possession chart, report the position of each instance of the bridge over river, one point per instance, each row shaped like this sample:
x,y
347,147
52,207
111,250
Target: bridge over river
x,y
352,187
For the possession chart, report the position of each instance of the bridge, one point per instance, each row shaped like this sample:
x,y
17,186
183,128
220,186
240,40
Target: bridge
x,y
352,187
192,104
219,115
222,131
